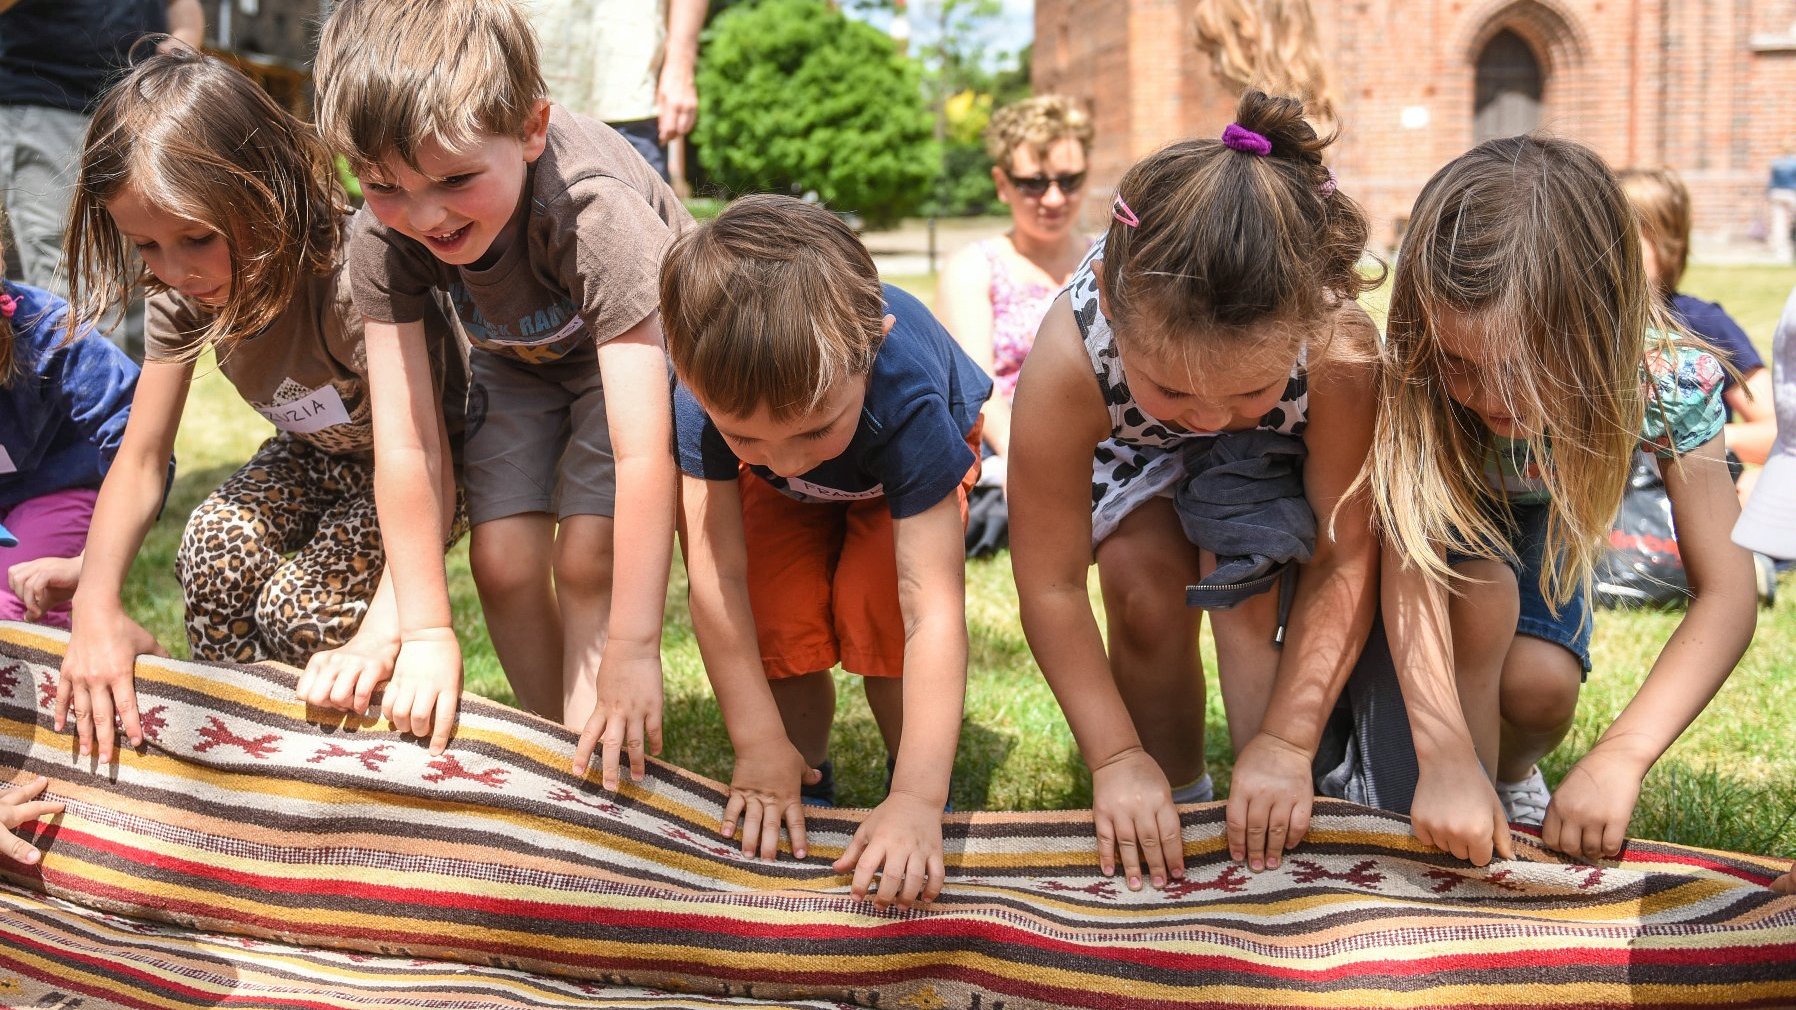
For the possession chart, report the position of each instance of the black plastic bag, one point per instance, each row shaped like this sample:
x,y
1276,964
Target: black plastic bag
x,y
1642,567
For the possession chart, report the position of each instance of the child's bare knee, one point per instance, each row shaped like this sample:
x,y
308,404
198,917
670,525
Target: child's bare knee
x,y
1145,614
1541,682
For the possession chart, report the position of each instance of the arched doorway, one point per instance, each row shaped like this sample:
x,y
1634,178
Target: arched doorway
x,y
1508,86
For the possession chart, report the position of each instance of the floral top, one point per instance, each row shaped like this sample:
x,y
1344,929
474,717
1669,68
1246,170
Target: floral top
x,y
1684,409
1018,306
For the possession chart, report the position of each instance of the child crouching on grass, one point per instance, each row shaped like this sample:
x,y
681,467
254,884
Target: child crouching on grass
x,y
827,431
1527,358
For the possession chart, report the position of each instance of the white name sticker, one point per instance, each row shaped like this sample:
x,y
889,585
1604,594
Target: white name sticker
x,y
315,411
818,491
6,463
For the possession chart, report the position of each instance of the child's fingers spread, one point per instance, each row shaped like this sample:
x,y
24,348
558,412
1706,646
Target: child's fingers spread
x,y
365,683
1236,820
891,879
611,749
1257,813
770,831
938,874
127,713
1106,845
732,809
633,743
65,692
851,857
1613,836
1172,841
1130,851
589,739
1148,834
916,874
751,825
25,813
101,723
652,729
795,828
444,720
1300,822
1278,824
864,869
18,849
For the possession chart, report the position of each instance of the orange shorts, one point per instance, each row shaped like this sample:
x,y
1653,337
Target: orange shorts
x,y
823,579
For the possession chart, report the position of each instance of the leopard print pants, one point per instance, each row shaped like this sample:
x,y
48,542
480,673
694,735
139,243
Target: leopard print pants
x,y
282,559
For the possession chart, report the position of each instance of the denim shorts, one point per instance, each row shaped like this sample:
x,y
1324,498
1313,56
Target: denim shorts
x,y
1528,541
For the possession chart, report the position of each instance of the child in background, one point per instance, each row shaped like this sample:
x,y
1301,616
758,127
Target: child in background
x,y
547,230
65,394
234,208
828,432
1528,357
1220,302
1662,204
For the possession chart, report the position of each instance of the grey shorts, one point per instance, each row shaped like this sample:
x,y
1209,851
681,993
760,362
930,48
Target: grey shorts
x,y
537,440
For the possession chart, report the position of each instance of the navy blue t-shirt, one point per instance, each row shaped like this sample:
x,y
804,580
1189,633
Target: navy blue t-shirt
x,y
64,53
923,397
1712,323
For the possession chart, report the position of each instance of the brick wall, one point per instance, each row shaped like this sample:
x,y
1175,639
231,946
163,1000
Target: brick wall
x,y
1707,87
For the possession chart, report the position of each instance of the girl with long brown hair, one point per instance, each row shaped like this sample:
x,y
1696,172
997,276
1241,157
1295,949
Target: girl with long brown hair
x,y
237,215
1527,357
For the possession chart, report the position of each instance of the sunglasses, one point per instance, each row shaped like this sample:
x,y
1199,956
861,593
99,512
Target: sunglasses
x,y
1036,186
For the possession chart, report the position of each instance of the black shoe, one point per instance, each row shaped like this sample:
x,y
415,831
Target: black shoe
x,y
823,793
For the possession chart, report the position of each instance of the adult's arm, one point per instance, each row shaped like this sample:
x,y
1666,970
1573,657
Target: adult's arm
x,y
187,22
676,93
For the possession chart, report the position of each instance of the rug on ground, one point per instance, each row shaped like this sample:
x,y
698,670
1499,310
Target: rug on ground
x,y
254,854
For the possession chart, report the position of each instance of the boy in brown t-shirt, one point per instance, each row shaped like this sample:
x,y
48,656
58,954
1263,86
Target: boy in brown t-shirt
x,y
547,231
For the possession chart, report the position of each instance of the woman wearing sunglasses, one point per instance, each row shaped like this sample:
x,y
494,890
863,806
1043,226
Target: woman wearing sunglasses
x,y
993,294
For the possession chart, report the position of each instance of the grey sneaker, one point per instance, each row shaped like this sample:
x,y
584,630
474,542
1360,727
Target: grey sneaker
x,y
1526,801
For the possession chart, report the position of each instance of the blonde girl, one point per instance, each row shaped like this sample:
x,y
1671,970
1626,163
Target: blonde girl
x,y
1220,301
235,210
1528,357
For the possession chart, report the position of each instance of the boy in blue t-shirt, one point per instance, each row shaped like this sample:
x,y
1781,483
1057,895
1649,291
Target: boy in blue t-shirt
x,y
827,429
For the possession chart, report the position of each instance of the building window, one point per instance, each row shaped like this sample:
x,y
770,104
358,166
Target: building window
x,y
1508,88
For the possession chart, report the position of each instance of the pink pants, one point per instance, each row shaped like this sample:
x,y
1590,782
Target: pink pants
x,y
48,526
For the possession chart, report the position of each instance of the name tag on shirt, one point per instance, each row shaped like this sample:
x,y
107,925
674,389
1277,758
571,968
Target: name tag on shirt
x,y
821,493
315,411
6,463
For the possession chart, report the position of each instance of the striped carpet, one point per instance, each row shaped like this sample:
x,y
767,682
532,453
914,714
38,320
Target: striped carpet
x,y
248,857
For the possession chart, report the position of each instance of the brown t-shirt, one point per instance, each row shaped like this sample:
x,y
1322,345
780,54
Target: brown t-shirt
x,y
597,223
307,372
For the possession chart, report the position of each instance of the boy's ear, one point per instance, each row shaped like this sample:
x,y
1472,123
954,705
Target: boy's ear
x,y
536,130
886,324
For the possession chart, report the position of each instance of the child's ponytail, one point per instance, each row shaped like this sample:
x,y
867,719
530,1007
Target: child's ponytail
x,y
1224,234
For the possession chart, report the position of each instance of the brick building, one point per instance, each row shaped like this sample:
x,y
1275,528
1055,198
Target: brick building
x,y
1707,87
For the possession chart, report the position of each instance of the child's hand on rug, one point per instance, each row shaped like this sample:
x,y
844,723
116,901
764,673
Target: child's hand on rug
x,y
901,840
1456,810
44,584
96,687
1270,792
1786,884
628,714
1132,810
1590,811
764,792
345,678
17,809
426,686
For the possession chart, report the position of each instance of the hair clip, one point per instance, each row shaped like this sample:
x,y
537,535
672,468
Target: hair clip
x,y
8,305
1120,210
1240,138
1327,189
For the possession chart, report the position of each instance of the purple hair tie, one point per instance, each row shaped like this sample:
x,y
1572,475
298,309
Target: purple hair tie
x,y
1120,210
1240,138
1327,189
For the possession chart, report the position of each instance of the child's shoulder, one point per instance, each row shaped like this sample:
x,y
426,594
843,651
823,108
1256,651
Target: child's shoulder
x,y
584,157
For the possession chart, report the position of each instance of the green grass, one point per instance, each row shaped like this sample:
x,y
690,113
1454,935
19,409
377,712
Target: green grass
x,y
1729,783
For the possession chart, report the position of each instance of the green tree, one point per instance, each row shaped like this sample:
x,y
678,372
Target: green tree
x,y
795,97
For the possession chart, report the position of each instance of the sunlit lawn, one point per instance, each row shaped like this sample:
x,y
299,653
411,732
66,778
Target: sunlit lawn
x,y
1730,783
